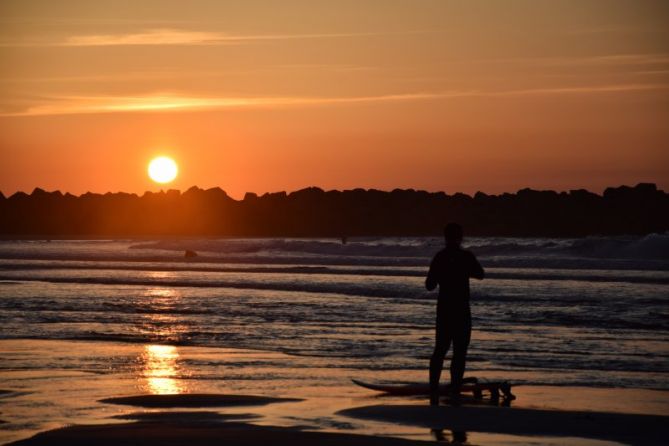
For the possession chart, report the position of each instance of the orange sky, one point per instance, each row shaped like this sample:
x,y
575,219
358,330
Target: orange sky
x,y
279,95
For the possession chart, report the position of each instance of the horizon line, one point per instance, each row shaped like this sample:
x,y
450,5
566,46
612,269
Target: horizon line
x,y
38,189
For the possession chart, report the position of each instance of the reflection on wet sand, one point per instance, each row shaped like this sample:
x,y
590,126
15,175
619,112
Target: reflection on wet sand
x,y
160,368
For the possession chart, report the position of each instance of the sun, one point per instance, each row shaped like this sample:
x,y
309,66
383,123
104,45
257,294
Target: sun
x,y
163,169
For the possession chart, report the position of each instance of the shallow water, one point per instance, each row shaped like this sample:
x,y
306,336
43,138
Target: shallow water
x,y
599,319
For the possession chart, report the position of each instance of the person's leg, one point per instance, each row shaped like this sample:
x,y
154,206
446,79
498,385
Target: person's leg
x,y
461,338
441,346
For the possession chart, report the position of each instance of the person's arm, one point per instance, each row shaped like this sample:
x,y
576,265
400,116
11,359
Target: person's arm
x,y
476,270
431,280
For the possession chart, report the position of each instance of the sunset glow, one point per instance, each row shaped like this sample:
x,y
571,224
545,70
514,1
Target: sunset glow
x,y
255,97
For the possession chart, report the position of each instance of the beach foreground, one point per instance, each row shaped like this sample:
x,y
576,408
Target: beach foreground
x,y
207,427
194,433
63,401
624,428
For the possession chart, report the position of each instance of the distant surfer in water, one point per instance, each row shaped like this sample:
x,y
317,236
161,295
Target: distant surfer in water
x,y
451,269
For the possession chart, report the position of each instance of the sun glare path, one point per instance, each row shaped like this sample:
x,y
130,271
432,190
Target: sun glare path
x,y
163,169
161,368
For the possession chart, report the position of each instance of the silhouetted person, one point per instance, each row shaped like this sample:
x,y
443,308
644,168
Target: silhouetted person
x,y
451,269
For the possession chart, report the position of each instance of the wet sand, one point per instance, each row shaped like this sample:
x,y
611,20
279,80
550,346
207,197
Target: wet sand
x,y
194,434
196,427
207,427
624,428
308,405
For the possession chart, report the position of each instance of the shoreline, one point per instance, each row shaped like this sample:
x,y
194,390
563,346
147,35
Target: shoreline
x,y
206,427
251,408
144,433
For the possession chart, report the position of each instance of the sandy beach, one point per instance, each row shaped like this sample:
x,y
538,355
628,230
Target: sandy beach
x,y
58,407
193,433
518,425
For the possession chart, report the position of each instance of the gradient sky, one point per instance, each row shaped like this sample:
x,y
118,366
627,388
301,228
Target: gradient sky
x,y
279,95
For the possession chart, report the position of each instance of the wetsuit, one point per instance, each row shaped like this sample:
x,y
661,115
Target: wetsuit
x,y
451,269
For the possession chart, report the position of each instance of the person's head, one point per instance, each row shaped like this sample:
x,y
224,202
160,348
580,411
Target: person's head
x,y
453,234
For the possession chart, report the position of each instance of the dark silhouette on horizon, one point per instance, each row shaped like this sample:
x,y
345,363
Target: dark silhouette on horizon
x,y
313,212
450,269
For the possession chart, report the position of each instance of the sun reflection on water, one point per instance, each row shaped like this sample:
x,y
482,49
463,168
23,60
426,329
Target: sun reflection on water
x,y
161,292
160,275
159,322
160,369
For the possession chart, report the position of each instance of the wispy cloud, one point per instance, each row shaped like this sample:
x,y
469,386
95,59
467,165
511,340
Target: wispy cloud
x,y
166,74
169,36
622,88
615,30
150,37
591,60
176,36
179,103
612,59
166,102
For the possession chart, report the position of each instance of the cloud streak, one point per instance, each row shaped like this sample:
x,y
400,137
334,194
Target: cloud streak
x,y
622,88
178,103
167,102
150,37
612,59
167,36
175,36
594,60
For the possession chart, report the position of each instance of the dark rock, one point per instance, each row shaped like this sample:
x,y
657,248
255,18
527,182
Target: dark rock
x,y
313,212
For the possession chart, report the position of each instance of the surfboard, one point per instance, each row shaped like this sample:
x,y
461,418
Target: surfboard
x,y
470,385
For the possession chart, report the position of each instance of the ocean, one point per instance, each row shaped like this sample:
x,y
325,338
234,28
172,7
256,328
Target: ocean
x,y
562,312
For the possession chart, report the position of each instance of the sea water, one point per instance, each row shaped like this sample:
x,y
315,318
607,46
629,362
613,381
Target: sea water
x,y
591,311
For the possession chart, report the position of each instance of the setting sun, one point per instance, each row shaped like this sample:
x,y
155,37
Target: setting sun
x,y
163,169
